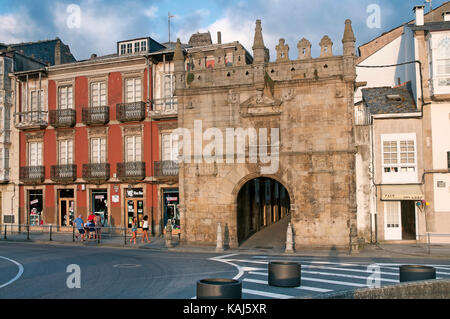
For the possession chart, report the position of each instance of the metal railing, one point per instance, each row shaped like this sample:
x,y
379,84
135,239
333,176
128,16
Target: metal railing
x,y
63,172
62,118
32,174
429,236
30,120
95,115
166,168
131,170
134,111
164,107
50,232
96,171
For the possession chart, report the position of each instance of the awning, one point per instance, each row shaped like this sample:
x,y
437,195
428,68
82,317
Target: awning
x,y
401,192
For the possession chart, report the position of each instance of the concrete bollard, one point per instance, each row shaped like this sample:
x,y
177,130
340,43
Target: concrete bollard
x,y
168,236
219,245
289,240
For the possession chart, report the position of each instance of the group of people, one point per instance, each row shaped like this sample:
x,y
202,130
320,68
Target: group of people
x,y
134,227
92,228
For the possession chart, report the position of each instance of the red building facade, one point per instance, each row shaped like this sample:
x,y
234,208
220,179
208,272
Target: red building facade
x,y
87,142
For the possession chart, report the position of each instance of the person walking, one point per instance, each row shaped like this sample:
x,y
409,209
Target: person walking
x,y
133,230
79,223
145,229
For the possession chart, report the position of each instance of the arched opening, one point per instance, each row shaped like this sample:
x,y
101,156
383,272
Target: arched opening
x,y
261,202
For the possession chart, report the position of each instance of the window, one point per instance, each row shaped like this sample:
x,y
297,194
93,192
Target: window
x,y
65,97
132,90
137,47
143,46
98,150
399,158
129,48
448,160
169,149
169,85
65,152
37,100
35,154
98,94
123,49
133,148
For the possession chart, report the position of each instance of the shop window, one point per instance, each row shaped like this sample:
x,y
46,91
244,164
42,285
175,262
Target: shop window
x,y
35,207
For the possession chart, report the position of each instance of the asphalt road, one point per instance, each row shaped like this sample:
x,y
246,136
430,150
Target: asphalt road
x,y
40,271
105,272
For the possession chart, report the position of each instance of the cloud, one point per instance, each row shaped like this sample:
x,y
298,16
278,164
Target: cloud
x,y
12,28
151,12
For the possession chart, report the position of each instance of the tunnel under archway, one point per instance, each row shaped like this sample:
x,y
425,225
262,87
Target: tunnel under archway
x,y
261,202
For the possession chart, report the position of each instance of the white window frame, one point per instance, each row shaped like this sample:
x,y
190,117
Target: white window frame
x,y
136,93
63,91
66,157
440,81
400,176
34,157
101,98
173,144
136,148
171,76
100,150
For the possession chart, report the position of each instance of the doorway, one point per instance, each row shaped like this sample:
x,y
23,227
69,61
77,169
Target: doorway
x,y
400,220
134,198
35,207
408,208
66,205
170,210
261,202
99,204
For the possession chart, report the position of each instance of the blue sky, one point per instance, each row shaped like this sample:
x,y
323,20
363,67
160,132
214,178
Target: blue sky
x,y
104,22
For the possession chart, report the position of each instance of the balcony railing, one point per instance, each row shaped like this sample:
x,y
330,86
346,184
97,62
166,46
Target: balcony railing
x,y
63,173
30,120
95,115
166,107
62,118
32,174
131,170
166,168
96,171
127,112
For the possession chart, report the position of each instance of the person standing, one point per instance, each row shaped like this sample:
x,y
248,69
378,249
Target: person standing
x,y
98,226
79,223
133,230
145,229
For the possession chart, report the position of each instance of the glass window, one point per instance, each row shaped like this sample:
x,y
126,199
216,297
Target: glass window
x,y
130,48
98,94
98,150
65,97
132,90
123,49
133,148
143,45
136,47
35,154
65,152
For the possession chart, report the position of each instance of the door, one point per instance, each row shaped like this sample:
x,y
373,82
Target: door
x,y
66,210
392,221
135,209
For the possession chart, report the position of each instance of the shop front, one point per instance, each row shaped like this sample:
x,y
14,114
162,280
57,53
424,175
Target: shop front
x,y
171,200
99,204
35,207
66,207
401,218
134,199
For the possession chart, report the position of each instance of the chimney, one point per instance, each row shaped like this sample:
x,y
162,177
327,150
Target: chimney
x,y
446,16
219,37
419,15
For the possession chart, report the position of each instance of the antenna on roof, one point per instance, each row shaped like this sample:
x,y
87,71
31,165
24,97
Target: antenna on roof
x,y
168,19
431,8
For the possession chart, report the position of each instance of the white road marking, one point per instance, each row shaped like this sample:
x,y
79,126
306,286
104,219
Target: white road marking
x,y
265,282
351,270
19,274
345,276
319,280
265,294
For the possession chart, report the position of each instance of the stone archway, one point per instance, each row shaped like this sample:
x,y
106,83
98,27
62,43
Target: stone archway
x,y
260,202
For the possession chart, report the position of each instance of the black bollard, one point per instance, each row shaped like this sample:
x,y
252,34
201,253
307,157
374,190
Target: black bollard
x,y
284,274
416,272
219,288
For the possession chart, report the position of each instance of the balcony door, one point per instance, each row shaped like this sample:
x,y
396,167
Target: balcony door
x,y
65,152
35,154
133,90
98,150
133,148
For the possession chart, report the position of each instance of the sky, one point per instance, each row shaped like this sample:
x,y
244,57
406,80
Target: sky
x,y
95,26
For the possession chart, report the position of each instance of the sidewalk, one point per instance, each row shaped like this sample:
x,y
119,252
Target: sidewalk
x,y
387,250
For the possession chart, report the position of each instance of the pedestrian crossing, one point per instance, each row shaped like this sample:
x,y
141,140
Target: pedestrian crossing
x,y
317,275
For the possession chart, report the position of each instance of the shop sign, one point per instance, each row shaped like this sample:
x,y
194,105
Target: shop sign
x,y
172,199
99,196
115,198
35,201
135,193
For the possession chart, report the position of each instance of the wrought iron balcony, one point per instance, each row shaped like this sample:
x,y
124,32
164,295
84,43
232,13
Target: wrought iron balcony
x,y
32,174
63,173
95,115
62,118
127,112
30,120
131,170
96,171
166,169
164,108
